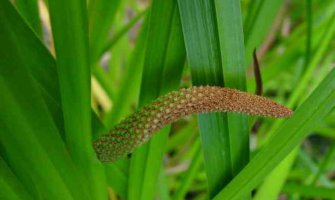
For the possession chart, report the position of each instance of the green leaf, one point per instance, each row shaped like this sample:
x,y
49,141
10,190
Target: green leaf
x,y
130,84
70,31
204,58
11,187
117,179
101,16
258,23
230,31
29,136
40,63
280,173
29,10
122,32
164,58
310,191
285,139
190,174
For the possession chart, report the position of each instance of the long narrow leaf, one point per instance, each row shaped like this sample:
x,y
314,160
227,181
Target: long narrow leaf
x,y
11,187
286,138
29,10
230,31
204,58
163,63
70,31
101,16
28,129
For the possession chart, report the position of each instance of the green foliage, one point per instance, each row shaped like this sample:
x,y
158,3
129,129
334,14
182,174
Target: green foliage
x,y
103,59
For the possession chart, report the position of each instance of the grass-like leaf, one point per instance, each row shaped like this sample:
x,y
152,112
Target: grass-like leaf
x,y
280,173
164,57
70,31
285,139
11,187
28,128
230,31
29,10
309,191
203,54
258,22
101,16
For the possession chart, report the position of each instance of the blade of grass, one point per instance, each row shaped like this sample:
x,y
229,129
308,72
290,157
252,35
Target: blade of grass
x,y
183,135
309,24
280,173
124,101
190,174
24,122
101,16
163,64
40,63
117,179
29,10
229,22
122,32
204,58
308,115
323,165
309,191
70,33
313,167
295,45
163,188
260,21
104,80
130,85
28,131
19,153
11,186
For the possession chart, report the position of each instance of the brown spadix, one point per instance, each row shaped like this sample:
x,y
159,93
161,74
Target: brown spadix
x,y
140,126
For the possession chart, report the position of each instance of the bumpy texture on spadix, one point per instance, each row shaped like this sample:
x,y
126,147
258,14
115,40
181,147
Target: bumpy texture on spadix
x,y
140,126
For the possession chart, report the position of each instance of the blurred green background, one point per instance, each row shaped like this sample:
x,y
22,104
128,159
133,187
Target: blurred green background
x,y
70,70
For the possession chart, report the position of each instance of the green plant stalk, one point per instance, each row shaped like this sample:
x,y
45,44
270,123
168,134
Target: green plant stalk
x,y
70,31
305,118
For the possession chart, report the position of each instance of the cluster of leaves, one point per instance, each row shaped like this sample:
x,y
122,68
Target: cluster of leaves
x,y
60,81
